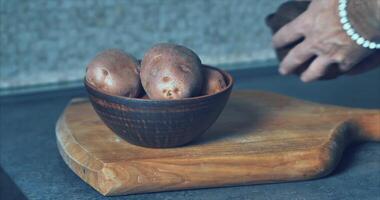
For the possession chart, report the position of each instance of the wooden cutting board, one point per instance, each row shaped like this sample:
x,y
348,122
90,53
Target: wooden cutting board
x,y
259,138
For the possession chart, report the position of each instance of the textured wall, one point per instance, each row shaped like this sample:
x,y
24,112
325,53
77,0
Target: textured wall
x,y
46,41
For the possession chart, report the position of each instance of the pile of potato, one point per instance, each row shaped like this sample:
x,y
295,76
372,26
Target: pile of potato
x,y
167,71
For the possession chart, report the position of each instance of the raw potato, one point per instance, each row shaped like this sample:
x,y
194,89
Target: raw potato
x,y
115,72
214,81
170,71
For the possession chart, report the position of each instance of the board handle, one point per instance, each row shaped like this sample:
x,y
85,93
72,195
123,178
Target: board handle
x,y
368,125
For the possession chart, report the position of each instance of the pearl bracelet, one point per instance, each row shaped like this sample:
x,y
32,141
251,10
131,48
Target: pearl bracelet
x,y
347,27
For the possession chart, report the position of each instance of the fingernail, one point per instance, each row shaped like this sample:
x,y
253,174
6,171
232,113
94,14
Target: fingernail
x,y
305,79
282,71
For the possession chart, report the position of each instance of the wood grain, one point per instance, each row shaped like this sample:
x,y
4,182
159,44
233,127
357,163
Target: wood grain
x,y
259,138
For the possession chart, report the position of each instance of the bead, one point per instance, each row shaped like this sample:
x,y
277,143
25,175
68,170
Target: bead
x,y
360,41
343,20
372,45
346,26
342,13
366,44
342,6
350,31
355,36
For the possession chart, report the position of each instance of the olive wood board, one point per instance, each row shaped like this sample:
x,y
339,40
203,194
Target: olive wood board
x,y
260,137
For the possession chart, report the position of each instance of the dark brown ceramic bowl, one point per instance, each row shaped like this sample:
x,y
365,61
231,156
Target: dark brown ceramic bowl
x,y
159,123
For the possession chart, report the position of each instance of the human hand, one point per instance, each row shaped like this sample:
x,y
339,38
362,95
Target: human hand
x,y
322,50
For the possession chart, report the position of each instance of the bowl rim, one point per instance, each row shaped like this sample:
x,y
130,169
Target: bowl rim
x,y
227,76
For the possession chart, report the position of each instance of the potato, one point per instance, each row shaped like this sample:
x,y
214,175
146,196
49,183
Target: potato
x,y
213,81
115,72
170,71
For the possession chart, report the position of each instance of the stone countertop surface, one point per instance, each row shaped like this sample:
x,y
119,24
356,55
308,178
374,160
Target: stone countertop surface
x,y
53,41
30,159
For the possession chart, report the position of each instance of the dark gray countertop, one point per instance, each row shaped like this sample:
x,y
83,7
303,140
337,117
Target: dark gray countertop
x,y
31,162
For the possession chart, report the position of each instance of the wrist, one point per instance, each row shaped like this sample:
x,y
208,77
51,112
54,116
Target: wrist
x,y
364,16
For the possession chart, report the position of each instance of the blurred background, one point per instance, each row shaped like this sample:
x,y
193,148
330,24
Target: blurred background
x,y
49,42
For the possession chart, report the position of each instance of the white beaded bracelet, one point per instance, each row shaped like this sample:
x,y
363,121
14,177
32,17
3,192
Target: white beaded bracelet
x,y
347,27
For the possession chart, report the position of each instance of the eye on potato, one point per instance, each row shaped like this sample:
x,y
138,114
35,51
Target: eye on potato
x,y
213,81
115,72
170,71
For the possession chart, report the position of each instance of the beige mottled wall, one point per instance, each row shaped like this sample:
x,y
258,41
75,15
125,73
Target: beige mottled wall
x,y
49,41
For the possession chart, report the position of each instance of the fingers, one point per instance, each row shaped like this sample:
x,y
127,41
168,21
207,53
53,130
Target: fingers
x,y
316,70
289,33
295,58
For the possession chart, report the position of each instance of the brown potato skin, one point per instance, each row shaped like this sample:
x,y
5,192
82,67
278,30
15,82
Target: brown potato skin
x,y
170,71
213,82
115,72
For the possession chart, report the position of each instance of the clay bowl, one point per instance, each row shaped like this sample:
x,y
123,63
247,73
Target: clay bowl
x,y
159,123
